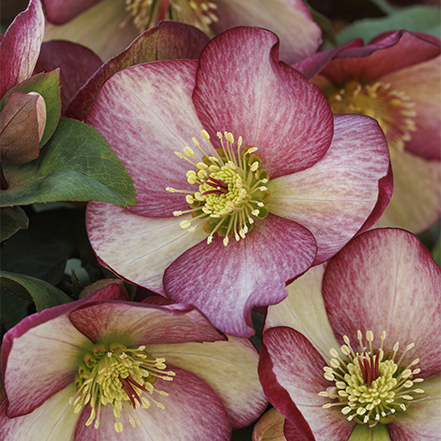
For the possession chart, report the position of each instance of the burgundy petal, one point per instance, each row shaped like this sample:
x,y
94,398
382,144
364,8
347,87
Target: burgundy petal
x,y
61,11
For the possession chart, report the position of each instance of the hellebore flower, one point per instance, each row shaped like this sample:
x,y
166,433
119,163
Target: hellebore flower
x,y
395,79
273,184
354,352
102,364
109,26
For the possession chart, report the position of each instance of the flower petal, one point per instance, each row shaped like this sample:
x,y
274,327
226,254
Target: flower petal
x,y
335,196
269,427
54,347
291,373
229,368
54,420
136,113
192,412
304,311
226,282
20,46
394,286
139,248
242,88
141,324
61,11
300,36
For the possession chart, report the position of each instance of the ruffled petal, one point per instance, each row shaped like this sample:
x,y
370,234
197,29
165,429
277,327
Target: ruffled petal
x,y
229,368
54,420
304,311
138,248
291,373
242,88
20,46
300,36
335,196
394,286
146,114
141,324
192,412
226,282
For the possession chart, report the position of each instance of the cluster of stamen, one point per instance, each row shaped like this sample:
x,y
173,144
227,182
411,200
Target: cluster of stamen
x,y
231,189
369,384
393,109
119,376
147,13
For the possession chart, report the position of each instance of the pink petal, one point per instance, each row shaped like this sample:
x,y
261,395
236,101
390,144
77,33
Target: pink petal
x,y
422,84
54,419
61,11
334,198
168,40
192,411
77,64
226,282
422,420
53,345
242,88
394,286
20,46
136,247
291,373
136,112
300,36
229,368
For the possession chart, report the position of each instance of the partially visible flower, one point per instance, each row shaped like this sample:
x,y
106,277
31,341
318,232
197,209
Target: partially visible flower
x,y
272,184
102,365
109,26
355,349
395,79
269,427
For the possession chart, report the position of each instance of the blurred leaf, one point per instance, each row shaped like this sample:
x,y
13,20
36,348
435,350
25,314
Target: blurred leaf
x,y
425,19
13,309
42,293
77,164
325,26
385,6
436,253
48,86
12,219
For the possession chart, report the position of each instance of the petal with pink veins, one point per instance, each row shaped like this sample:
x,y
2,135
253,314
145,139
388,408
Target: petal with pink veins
x,y
54,420
141,324
139,248
229,368
20,46
290,19
61,11
192,412
269,104
226,282
394,286
291,373
335,196
145,129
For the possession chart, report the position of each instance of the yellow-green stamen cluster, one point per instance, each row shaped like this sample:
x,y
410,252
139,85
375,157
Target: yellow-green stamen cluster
x,y
392,108
231,188
147,13
369,384
119,376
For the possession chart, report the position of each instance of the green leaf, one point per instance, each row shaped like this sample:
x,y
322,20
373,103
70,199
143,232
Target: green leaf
x,y
362,432
12,219
42,293
77,164
425,19
13,309
48,86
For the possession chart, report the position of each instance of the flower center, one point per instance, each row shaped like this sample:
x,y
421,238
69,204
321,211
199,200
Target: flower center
x,y
147,13
391,108
370,384
231,188
120,376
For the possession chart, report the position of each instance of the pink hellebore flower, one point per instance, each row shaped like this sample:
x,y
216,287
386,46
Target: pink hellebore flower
x,y
395,79
97,366
273,183
109,26
354,352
